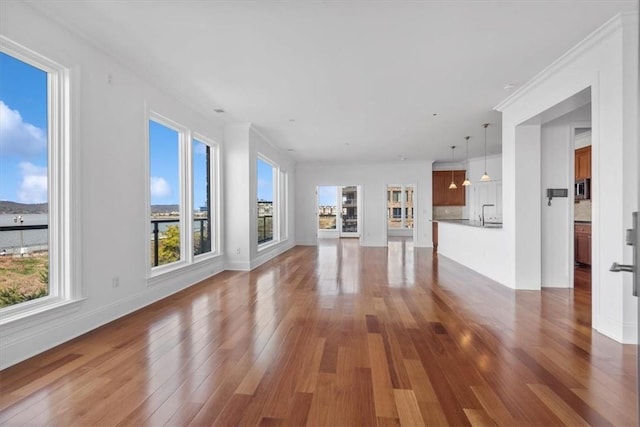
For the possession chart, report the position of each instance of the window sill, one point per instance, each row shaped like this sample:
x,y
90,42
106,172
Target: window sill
x,y
268,245
170,272
34,310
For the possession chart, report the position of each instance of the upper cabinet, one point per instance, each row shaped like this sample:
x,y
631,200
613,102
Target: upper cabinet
x,y
442,195
583,163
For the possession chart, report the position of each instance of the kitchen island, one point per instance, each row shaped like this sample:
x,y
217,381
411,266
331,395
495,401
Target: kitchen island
x,y
471,223
479,247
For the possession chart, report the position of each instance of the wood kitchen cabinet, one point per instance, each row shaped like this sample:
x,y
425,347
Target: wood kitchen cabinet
x,y
582,243
583,163
441,194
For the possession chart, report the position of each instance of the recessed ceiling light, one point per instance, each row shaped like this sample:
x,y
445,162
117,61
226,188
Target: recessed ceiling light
x,y
218,110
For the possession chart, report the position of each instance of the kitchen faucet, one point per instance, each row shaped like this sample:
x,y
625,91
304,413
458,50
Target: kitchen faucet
x,y
484,206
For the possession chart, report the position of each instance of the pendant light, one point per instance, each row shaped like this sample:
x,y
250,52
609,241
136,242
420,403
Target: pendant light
x,y
466,165
486,176
453,185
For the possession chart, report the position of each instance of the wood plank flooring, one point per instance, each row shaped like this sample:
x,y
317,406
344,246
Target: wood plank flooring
x,y
337,335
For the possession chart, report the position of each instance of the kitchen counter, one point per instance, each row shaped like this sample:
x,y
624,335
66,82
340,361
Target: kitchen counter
x,y
471,223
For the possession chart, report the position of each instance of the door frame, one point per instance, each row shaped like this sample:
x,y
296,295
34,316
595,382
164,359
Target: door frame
x,y
414,230
337,232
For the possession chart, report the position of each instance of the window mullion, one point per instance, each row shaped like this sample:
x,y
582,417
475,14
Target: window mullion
x,y
186,187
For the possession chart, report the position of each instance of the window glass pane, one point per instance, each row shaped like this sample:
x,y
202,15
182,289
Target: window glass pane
x,y
265,201
408,217
327,208
394,219
164,169
284,203
24,167
202,206
350,209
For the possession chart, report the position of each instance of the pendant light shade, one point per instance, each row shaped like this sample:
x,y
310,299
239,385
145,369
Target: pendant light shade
x,y
466,181
453,185
486,176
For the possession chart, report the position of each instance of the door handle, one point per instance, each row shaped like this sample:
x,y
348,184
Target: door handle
x,y
631,239
616,268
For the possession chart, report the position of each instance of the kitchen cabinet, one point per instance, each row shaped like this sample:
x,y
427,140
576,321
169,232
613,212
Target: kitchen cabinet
x,y
583,163
442,195
582,243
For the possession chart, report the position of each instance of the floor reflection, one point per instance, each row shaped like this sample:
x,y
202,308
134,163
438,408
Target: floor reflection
x,y
400,262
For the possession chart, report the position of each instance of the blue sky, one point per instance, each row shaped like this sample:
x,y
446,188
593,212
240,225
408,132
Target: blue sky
x,y
23,131
164,167
265,181
327,196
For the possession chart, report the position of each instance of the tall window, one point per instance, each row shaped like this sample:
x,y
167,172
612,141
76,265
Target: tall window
x,y
24,165
202,203
266,190
34,201
284,198
164,188
183,195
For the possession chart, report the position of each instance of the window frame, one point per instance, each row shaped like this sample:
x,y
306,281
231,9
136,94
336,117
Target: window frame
x,y
284,205
214,194
185,170
275,220
62,175
158,270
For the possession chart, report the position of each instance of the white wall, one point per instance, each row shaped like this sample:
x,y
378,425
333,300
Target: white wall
x,y
373,179
237,202
244,143
607,62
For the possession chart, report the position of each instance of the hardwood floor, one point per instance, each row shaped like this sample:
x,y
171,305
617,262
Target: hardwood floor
x,y
337,335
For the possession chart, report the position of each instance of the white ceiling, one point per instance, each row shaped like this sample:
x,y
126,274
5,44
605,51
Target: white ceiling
x,y
362,80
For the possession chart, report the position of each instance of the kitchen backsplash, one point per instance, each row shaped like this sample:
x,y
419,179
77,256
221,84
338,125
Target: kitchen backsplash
x,y
582,211
447,212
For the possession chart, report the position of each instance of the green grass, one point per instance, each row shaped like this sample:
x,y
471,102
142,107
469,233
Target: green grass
x,y
23,278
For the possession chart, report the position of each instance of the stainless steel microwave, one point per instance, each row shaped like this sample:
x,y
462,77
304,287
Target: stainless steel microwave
x,y
583,189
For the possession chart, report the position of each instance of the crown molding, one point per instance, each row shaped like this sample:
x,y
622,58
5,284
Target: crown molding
x,y
601,33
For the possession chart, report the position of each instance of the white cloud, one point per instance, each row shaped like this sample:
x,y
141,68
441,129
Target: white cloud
x,y
160,187
33,188
17,136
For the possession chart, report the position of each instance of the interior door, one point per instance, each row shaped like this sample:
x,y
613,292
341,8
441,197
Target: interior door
x,y
338,211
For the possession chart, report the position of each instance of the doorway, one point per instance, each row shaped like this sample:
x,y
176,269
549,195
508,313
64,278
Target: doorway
x,y
400,211
338,211
582,207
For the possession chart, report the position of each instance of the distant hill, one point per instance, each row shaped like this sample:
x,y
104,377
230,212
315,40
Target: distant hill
x,y
157,209
14,208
